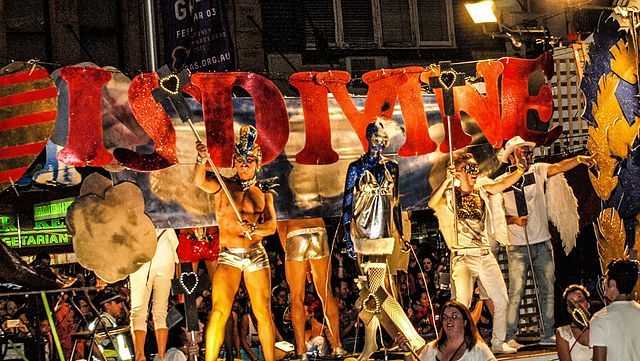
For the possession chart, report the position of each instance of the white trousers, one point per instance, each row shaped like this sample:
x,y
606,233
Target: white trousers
x,y
465,270
143,281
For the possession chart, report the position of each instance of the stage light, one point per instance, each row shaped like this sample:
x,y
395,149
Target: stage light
x,y
482,12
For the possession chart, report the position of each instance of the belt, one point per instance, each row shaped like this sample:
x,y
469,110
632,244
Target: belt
x,y
471,252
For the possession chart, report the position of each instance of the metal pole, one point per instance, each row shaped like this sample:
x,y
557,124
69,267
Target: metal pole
x,y
453,187
150,32
220,180
533,273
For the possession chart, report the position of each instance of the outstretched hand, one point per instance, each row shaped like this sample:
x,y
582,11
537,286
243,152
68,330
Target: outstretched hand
x,y
586,160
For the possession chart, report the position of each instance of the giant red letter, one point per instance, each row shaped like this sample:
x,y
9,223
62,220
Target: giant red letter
x,y
84,143
155,122
315,108
272,120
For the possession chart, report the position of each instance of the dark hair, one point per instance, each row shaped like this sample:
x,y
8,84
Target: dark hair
x,y
460,158
177,337
573,288
625,273
471,334
418,294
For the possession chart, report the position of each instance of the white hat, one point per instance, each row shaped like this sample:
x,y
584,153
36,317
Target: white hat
x,y
512,144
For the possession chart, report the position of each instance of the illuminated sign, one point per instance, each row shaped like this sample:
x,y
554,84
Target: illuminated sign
x,y
51,232
53,209
46,228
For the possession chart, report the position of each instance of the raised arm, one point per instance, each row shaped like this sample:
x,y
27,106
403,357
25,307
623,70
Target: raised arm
x,y
437,196
200,180
569,163
508,181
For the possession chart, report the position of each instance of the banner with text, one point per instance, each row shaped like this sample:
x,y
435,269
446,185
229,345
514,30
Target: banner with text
x,y
196,35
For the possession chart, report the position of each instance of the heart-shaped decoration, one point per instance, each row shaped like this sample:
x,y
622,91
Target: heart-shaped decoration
x,y
447,78
189,281
170,84
371,304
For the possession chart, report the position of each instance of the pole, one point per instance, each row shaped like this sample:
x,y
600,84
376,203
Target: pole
x,y
150,32
54,333
535,283
219,177
453,188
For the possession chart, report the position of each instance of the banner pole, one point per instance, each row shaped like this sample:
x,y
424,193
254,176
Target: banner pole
x,y
150,32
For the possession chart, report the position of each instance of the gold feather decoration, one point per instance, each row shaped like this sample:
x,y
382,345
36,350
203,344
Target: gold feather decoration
x,y
611,237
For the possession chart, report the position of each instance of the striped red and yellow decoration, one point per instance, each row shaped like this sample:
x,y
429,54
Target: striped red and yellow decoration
x,y
28,106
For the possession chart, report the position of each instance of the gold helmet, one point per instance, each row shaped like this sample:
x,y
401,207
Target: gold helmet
x,y
247,147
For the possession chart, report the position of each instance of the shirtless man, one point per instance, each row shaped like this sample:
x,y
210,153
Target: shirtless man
x,y
305,244
238,253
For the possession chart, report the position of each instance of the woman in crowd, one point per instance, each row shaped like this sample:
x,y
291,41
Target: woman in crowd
x,y
572,341
459,339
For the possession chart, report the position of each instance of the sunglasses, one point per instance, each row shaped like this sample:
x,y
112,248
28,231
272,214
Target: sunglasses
x,y
472,169
241,159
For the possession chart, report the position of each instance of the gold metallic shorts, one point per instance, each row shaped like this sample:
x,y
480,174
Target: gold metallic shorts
x,y
249,259
307,243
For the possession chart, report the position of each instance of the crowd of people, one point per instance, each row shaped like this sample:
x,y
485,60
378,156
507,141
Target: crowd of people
x,y
428,305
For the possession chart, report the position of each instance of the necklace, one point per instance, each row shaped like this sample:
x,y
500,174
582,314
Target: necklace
x,y
245,184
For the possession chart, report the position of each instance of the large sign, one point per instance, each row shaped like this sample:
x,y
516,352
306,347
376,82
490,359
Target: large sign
x,y
307,141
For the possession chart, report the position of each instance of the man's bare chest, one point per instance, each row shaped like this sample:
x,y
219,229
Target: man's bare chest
x,y
252,200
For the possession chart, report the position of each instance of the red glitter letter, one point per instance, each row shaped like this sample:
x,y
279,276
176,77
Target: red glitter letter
x,y
84,144
153,119
272,120
315,108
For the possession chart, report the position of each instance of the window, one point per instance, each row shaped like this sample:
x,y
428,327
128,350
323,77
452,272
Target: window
x,y
26,25
100,22
381,23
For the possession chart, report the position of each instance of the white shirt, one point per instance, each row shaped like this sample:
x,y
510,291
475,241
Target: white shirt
x,y
173,354
538,223
617,327
479,352
579,352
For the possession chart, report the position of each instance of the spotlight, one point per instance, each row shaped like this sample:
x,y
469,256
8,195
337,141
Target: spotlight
x,y
482,12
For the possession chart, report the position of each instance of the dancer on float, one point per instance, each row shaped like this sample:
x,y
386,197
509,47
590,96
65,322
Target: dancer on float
x,y
476,222
241,250
525,205
305,244
373,228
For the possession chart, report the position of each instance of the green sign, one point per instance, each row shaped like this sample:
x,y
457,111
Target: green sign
x,y
51,232
53,209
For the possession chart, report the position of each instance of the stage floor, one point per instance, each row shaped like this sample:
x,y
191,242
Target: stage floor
x,y
532,353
